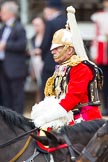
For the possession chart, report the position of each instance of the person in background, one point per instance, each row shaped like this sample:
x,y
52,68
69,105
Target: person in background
x,y
73,85
55,19
36,53
99,49
0,96
13,57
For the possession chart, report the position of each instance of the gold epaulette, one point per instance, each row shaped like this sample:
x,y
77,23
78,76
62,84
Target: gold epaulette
x,y
48,91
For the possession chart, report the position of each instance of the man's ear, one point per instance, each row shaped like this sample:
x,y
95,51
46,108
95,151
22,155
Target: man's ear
x,y
71,51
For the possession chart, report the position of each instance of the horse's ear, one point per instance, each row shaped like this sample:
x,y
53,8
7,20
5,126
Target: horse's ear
x,y
41,139
51,136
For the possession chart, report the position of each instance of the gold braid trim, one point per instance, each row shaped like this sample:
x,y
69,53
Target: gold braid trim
x,y
48,91
73,61
63,50
49,87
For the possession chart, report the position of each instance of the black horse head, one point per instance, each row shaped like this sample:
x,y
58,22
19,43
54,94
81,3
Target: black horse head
x,y
78,137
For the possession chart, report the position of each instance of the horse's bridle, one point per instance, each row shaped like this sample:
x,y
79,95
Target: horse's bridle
x,y
71,151
70,148
13,140
68,145
90,157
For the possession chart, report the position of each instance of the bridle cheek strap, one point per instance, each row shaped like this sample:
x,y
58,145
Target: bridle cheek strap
x,y
57,148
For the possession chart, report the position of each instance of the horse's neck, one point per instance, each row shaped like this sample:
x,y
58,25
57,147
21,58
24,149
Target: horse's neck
x,y
96,149
81,138
7,133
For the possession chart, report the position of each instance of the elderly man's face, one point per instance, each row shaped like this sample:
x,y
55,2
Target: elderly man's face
x,y
5,14
59,57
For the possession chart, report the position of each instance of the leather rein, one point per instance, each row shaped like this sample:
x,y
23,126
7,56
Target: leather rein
x,y
13,140
24,147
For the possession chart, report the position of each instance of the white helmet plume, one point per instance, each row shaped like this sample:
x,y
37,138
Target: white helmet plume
x,y
77,40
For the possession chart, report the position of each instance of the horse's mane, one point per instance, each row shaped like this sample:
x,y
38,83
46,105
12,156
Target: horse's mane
x,y
12,118
89,127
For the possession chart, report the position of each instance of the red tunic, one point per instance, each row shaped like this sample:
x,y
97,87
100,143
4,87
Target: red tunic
x,y
77,92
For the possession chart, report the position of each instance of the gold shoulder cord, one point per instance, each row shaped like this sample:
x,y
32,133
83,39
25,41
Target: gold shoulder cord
x,y
75,60
49,87
48,91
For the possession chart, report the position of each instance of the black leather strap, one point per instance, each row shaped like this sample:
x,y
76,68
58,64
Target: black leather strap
x,y
71,151
89,156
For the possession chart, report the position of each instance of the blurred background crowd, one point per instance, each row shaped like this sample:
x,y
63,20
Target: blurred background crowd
x,y
26,31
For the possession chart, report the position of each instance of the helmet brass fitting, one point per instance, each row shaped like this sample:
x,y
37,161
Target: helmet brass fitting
x,y
62,37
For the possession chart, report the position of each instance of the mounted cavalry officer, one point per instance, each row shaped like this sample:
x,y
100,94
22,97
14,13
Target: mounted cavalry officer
x,y
72,92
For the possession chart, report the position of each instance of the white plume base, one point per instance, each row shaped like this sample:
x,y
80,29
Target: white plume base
x,y
49,113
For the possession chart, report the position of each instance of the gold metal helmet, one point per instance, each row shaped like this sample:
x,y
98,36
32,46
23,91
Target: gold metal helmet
x,y
62,37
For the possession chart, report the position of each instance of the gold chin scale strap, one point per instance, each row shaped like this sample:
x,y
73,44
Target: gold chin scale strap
x,y
63,51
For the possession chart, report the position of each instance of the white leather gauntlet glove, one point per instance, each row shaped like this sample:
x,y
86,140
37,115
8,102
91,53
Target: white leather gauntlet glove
x,y
47,111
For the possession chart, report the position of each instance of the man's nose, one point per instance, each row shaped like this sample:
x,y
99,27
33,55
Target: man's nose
x,y
53,51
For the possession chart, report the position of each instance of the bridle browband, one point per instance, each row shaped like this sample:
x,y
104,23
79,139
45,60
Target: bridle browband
x,y
18,137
